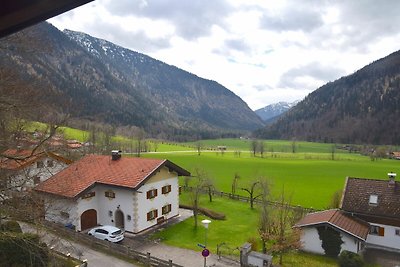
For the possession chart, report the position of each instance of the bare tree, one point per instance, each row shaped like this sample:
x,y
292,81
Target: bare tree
x,y
253,192
335,200
199,146
294,145
199,181
276,227
253,147
140,140
333,151
261,148
234,183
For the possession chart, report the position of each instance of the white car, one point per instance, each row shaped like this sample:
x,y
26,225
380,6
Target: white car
x,y
107,233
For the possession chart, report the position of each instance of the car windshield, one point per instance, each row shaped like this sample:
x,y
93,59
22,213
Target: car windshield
x,y
117,232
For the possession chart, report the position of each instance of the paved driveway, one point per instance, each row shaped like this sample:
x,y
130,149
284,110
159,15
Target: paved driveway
x,y
78,251
184,257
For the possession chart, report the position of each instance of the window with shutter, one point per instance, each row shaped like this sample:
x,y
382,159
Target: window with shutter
x,y
151,215
166,189
166,209
381,231
151,193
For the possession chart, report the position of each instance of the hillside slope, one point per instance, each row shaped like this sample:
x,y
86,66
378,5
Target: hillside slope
x,y
96,80
360,108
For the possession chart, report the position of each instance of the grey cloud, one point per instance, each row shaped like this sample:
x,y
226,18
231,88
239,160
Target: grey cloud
x,y
137,41
296,16
359,24
192,19
237,44
314,70
262,87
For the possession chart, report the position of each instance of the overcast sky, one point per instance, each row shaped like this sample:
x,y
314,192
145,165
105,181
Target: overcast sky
x,y
264,51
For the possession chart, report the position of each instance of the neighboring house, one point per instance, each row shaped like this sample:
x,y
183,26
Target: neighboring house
x,y
353,231
378,203
130,193
24,169
395,155
369,217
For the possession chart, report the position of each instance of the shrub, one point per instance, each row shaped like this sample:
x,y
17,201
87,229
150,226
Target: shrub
x,y
10,226
254,243
331,240
22,250
350,259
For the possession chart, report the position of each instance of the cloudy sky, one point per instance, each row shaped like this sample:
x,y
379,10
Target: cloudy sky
x,y
264,51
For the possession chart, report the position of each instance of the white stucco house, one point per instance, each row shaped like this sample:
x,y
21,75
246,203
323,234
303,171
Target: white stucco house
x,y
369,217
131,193
353,232
24,169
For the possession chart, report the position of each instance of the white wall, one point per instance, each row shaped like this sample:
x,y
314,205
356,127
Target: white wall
x,y
158,202
102,204
349,243
311,242
57,208
23,179
390,239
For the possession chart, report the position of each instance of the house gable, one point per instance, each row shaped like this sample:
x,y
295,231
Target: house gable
x,y
373,200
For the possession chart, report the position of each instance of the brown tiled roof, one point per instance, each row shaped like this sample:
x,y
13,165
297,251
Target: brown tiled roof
x,y
22,158
358,191
124,172
337,219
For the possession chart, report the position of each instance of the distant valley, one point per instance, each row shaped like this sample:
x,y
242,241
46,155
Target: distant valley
x,y
97,81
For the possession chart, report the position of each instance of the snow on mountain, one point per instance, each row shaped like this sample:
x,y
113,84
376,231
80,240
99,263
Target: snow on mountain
x,y
274,110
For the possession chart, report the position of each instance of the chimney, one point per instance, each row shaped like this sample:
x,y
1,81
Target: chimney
x,y
392,176
116,154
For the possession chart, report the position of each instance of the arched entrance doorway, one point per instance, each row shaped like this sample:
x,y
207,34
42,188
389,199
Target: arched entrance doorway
x,y
88,219
119,219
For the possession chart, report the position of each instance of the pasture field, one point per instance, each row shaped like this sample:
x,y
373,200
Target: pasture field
x,y
310,178
269,145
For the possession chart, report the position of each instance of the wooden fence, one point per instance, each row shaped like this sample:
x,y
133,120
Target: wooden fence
x,y
126,251
257,201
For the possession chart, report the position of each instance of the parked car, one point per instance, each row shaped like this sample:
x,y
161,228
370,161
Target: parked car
x,y
107,233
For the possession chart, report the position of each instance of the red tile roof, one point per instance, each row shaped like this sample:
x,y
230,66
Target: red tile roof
x,y
357,193
22,158
124,172
337,219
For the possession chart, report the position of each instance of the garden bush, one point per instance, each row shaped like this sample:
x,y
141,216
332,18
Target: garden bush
x,y
10,226
18,249
350,259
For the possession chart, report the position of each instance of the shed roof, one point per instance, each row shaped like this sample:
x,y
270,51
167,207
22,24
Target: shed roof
x,y
338,219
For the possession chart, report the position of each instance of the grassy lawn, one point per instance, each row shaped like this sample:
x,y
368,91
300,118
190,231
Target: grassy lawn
x,y
241,224
310,178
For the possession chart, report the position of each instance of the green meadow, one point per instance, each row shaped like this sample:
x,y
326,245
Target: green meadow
x,y
310,178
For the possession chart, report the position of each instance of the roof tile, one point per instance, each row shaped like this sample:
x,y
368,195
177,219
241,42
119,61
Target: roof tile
x,y
124,172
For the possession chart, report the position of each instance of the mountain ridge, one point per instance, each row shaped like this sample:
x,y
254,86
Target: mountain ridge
x,y
275,110
96,80
359,108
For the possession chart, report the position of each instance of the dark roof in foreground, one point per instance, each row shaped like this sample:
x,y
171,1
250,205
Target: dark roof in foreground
x,y
338,219
357,193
